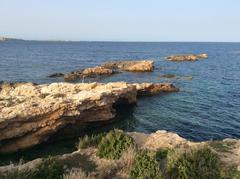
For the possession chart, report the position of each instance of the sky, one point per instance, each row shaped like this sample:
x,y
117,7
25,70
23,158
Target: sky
x,y
121,20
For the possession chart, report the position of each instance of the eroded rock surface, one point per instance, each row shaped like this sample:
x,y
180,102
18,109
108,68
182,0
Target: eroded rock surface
x,y
109,68
190,57
132,66
30,113
88,72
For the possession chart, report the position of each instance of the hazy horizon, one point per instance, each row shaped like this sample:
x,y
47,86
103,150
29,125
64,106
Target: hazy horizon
x,y
125,21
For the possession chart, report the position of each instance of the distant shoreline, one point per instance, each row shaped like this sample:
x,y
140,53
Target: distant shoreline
x,y
5,39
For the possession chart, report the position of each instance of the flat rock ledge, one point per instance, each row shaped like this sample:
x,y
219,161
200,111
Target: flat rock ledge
x,y
31,113
190,57
132,66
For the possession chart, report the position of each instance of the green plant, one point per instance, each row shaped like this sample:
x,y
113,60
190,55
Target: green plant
x,y
222,146
161,154
197,164
49,168
114,144
90,141
15,174
145,166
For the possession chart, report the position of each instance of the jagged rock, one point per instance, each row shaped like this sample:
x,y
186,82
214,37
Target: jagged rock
x,y
108,69
190,57
132,66
72,76
88,72
145,89
30,113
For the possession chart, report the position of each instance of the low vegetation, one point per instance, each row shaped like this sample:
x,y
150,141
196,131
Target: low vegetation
x,y
222,146
90,141
201,164
49,168
114,144
127,161
145,166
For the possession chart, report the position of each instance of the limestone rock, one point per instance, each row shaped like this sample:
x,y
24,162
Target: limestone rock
x,y
132,66
88,72
30,113
145,89
190,57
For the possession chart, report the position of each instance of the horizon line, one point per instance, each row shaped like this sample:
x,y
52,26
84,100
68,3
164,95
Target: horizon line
x,y
116,41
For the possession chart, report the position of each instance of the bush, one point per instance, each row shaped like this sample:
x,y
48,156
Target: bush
x,y
49,168
161,154
145,166
14,174
199,164
114,144
90,141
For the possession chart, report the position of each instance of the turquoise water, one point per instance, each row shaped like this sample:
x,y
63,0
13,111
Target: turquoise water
x,y
207,107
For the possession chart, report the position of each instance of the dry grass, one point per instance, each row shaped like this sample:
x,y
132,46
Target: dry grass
x,y
77,174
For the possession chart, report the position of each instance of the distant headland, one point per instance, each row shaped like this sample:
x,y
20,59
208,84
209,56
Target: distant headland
x,y
9,39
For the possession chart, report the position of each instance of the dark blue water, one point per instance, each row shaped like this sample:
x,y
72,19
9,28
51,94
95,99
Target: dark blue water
x,y
207,107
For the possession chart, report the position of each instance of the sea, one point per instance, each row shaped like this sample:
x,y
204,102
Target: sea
x,y
207,107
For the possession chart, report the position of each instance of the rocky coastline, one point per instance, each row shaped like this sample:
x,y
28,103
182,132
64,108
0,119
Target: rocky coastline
x,y
167,146
31,113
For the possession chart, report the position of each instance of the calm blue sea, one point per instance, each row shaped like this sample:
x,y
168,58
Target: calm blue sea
x,y
207,107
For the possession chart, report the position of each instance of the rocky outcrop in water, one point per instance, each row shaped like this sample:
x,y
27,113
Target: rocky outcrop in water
x,y
54,75
190,57
88,72
30,113
132,66
107,69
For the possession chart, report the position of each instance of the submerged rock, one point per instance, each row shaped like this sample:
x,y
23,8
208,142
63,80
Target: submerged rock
x,y
54,75
172,76
132,66
168,76
190,57
30,113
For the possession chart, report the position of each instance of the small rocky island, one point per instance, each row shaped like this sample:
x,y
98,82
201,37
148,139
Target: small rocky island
x,y
190,57
107,69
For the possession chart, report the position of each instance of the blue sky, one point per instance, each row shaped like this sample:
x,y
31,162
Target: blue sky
x,y
121,20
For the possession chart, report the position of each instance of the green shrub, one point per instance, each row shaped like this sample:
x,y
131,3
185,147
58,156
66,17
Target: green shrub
x,y
145,166
114,144
90,141
49,168
15,174
197,164
161,154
